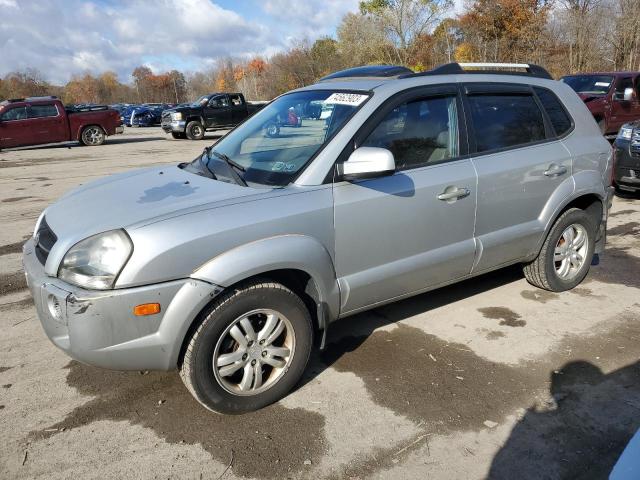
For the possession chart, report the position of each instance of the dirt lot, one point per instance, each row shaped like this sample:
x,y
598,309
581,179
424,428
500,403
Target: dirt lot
x,y
487,378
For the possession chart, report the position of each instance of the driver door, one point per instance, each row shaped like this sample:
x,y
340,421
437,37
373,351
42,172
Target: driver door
x,y
402,234
217,112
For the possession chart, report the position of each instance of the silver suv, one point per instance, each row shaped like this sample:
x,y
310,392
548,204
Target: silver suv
x,y
388,185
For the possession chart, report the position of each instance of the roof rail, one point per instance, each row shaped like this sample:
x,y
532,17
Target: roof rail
x,y
369,71
528,69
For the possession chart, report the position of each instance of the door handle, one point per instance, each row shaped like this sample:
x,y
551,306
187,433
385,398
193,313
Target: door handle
x,y
454,194
555,170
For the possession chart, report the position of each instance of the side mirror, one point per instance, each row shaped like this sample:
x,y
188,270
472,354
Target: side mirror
x,y
367,162
628,94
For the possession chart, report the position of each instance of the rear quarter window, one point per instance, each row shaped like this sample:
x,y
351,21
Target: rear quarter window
x,y
503,121
558,116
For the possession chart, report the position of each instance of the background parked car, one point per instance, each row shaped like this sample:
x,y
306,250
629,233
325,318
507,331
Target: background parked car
x,y
613,98
627,165
40,120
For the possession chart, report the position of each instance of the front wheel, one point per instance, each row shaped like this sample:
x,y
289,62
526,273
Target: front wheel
x,y
566,254
250,350
92,136
194,130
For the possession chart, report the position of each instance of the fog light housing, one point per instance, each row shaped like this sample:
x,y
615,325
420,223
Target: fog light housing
x,y
55,308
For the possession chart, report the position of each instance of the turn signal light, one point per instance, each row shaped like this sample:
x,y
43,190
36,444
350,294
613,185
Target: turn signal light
x,y
146,309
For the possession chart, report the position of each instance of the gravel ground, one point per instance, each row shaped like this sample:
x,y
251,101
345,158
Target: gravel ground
x,y
487,378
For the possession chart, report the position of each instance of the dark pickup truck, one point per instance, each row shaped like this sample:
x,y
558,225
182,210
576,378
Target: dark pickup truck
x,y
40,120
216,111
613,98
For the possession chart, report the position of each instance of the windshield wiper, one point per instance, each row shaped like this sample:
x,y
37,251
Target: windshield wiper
x,y
233,166
207,151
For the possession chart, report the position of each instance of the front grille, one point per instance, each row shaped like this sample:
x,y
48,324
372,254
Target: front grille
x,y
45,240
166,118
635,141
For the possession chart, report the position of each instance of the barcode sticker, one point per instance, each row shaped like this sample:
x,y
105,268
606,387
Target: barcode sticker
x,y
353,99
603,84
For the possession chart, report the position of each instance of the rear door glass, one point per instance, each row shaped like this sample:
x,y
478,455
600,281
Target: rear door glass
x,y
40,111
557,114
502,121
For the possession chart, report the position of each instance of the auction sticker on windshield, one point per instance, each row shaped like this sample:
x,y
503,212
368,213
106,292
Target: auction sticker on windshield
x,y
353,99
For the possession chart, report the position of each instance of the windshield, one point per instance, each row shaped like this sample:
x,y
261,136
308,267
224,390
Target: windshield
x,y
200,101
276,143
593,84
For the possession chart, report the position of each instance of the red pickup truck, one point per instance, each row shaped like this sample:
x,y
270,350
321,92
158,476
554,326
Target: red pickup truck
x,y
40,120
613,98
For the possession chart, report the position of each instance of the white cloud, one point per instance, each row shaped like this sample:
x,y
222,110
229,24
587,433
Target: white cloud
x,y
62,39
310,18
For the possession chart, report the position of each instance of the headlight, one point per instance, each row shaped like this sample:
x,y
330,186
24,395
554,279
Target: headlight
x,y
96,262
625,132
176,116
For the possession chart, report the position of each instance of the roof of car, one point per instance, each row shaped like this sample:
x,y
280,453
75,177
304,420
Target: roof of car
x,y
368,79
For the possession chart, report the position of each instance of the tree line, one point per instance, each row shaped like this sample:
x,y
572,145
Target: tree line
x,y
565,36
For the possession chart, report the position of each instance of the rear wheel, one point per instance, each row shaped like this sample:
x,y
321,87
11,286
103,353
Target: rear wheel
x,y
92,136
194,130
566,254
250,349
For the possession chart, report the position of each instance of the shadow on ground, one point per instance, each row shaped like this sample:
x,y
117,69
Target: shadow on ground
x,y
596,415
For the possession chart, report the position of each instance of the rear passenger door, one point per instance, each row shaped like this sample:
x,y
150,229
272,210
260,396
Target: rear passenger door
x,y
238,108
520,162
412,230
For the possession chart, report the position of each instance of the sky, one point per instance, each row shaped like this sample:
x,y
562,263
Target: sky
x,y
62,38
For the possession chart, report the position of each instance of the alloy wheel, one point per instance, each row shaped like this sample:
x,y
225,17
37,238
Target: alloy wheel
x,y
254,352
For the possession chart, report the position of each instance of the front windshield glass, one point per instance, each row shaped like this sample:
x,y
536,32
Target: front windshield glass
x,y
276,143
591,84
200,101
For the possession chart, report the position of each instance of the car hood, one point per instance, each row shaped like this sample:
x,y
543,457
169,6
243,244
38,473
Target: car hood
x,y
136,198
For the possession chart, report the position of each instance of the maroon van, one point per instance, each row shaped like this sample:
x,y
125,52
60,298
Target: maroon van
x,y
40,120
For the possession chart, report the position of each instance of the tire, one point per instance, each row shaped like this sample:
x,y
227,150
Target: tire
x,y
92,136
214,338
194,130
546,271
178,135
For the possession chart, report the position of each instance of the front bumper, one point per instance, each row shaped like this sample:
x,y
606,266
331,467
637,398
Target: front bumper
x,y
99,328
177,126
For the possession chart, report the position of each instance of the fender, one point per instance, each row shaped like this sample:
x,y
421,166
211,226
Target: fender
x,y
587,182
299,252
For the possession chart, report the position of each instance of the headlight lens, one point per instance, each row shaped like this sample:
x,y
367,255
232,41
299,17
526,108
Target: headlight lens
x,y
176,116
625,132
95,262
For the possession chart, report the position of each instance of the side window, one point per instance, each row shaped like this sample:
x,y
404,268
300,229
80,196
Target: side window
x,y
235,100
419,132
557,114
40,111
502,121
219,101
18,113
